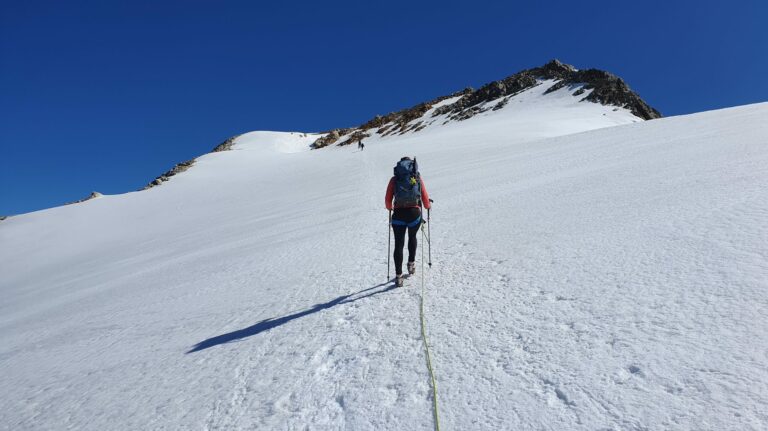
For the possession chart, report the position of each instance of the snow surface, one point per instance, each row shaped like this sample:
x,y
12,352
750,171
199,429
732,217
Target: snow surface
x,y
583,280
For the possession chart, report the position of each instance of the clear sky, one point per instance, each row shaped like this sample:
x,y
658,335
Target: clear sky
x,y
106,95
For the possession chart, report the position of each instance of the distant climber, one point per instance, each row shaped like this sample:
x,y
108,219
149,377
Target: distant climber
x,y
406,194
360,145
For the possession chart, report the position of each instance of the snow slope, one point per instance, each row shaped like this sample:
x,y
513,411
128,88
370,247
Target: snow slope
x,y
585,277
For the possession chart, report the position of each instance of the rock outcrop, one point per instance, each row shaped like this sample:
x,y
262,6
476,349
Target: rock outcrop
x,y
329,138
354,137
179,168
183,166
399,122
607,89
226,145
93,195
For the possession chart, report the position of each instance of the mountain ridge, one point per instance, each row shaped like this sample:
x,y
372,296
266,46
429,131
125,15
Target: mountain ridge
x,y
607,89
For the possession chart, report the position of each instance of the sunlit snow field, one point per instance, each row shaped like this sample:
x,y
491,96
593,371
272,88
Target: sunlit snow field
x,y
591,272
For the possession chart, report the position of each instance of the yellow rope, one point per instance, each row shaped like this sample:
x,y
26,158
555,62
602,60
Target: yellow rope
x,y
424,337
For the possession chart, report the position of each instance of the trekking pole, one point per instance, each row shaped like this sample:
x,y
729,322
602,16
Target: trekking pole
x,y
429,232
389,241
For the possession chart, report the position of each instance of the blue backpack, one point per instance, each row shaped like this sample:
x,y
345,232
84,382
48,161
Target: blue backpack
x,y
407,184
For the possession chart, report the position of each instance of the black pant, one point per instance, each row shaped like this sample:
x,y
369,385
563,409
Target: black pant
x,y
407,215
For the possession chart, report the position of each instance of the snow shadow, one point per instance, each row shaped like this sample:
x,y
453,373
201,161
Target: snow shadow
x,y
268,324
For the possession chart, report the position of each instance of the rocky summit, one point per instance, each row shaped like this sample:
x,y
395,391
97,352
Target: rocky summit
x,y
606,88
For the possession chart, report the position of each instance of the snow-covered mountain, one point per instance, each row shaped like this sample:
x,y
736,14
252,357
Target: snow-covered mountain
x,y
591,271
538,99
589,85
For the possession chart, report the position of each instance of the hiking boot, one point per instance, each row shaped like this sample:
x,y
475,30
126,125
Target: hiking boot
x,y
399,280
411,268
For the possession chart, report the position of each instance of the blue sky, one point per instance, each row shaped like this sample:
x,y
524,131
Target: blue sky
x,y
106,95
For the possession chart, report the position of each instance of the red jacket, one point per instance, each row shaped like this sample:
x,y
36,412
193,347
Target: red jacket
x,y
391,194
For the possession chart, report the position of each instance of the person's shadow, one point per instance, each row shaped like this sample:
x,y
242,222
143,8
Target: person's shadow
x,y
268,324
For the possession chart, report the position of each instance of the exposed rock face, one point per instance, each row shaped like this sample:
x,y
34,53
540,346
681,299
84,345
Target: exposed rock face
x,y
183,166
226,145
93,195
607,89
3,218
496,89
399,122
179,168
329,138
356,136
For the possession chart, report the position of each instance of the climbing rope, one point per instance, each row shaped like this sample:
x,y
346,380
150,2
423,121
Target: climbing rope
x,y
426,342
